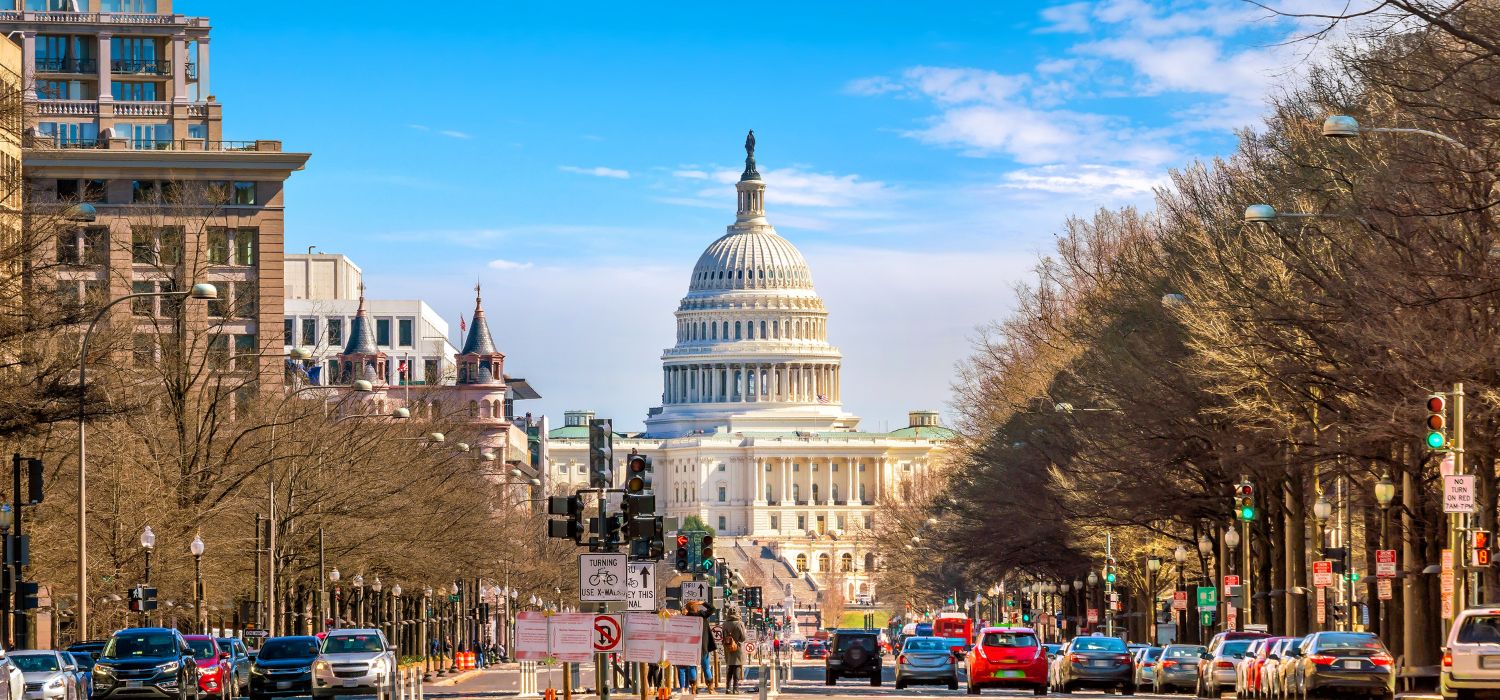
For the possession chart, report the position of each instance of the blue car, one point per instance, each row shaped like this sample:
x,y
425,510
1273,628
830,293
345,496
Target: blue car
x,y
283,667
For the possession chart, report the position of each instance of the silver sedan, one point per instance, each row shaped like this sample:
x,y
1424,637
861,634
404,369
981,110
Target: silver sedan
x,y
926,660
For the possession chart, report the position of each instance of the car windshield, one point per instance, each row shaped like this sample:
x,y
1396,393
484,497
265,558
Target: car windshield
x,y
227,645
203,648
846,642
82,659
288,648
1152,654
1183,652
351,644
924,644
1099,644
1348,641
34,663
1480,629
1234,648
1009,639
129,645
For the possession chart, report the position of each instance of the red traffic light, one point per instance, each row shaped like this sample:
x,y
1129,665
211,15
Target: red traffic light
x,y
637,464
682,541
1436,404
1246,489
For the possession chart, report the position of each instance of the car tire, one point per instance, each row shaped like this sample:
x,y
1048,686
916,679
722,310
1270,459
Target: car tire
x,y
828,679
1066,689
1040,689
953,684
875,679
973,689
900,684
1128,690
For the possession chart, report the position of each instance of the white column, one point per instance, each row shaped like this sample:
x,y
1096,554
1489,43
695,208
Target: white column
x,y
203,92
880,480
179,71
786,480
106,61
28,63
854,480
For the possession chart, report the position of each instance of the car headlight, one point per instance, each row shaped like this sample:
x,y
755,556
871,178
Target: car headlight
x,y
168,667
56,682
257,671
320,665
103,669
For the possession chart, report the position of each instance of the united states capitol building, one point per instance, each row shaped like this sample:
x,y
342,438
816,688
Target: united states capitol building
x,y
752,435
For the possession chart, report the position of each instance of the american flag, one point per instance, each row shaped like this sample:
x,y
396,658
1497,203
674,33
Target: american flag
x,y
822,398
402,368
461,326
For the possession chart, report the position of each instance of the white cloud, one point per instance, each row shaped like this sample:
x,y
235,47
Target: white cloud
x,y
1072,18
874,85
502,264
1086,179
690,174
455,134
597,171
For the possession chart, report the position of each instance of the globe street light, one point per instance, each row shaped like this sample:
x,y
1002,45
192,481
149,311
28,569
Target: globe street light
x,y
359,600
201,291
1232,539
148,543
1322,509
196,548
333,577
1205,546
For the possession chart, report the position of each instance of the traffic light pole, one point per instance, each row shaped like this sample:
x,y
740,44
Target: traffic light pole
x,y
1246,590
1455,520
602,671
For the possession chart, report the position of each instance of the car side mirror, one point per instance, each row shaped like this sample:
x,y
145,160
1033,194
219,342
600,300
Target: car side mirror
x,y
223,654
1206,656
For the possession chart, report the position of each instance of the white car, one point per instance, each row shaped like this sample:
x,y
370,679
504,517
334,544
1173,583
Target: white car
x,y
1471,657
49,675
354,662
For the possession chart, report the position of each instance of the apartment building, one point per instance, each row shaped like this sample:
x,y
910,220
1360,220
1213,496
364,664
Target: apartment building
x,y
121,116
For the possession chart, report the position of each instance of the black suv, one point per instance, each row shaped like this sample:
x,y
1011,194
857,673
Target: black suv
x,y
146,661
853,653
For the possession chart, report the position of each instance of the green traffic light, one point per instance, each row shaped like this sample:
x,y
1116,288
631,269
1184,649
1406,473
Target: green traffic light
x,y
950,600
1247,513
1435,440
1110,577
708,565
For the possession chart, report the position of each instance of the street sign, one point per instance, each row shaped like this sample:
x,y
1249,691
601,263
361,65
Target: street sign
x,y
717,631
694,590
1383,588
1208,598
1323,573
749,648
257,633
1458,493
1231,616
1322,605
602,577
640,592
1206,618
1448,585
607,632
1179,600
1093,615
1385,563
1230,580
1446,467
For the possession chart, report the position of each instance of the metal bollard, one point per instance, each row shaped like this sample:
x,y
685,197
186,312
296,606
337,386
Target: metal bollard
x,y
528,681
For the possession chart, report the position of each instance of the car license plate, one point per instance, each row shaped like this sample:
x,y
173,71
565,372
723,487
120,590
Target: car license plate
x,y
351,684
1010,674
132,684
1354,665
1102,664
283,685
1489,662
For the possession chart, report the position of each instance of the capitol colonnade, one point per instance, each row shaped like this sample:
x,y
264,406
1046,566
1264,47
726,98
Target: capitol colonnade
x,y
751,382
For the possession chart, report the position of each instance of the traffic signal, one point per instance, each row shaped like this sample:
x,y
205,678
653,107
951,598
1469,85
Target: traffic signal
x,y
706,554
640,515
1244,500
637,473
1479,548
1437,422
1339,556
571,528
601,454
682,554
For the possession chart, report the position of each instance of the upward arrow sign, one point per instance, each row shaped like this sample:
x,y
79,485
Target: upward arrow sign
x,y
645,577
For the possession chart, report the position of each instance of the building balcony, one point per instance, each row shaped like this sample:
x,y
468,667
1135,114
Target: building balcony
x,y
87,66
103,18
67,108
141,66
48,141
143,109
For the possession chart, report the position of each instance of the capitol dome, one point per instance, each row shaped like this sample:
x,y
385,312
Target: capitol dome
x,y
756,258
752,348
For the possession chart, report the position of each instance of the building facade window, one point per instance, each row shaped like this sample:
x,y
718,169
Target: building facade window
x,y
723,524
244,193
383,332
723,494
846,562
335,330
801,522
802,563
286,331
404,332
775,523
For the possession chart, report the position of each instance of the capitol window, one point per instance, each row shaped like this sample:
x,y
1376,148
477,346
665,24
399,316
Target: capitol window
x,y
723,496
721,466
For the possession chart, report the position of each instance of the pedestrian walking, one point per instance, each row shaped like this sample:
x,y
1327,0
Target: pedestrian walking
x,y
734,648
705,611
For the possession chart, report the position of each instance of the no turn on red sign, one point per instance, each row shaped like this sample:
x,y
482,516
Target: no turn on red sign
x,y
1322,574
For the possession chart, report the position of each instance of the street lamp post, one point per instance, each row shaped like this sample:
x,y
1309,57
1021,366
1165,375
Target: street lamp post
x,y
1180,556
201,291
1232,541
377,611
455,624
359,600
423,618
148,543
1385,495
1322,510
196,548
1153,565
338,599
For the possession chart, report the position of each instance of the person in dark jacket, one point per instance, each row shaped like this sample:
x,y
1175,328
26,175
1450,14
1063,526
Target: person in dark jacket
x,y
699,609
734,648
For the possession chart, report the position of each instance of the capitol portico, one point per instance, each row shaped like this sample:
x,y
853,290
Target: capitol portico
x,y
751,434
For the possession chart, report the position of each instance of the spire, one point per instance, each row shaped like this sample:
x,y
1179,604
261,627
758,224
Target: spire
x,y
479,341
361,333
750,172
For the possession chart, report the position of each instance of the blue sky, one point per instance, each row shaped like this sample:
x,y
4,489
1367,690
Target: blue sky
x,y
577,157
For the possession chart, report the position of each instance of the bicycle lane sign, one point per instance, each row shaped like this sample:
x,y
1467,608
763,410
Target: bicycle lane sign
x,y
602,577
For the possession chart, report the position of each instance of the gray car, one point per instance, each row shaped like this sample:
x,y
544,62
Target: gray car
x,y
1097,662
49,675
1177,669
1216,669
926,660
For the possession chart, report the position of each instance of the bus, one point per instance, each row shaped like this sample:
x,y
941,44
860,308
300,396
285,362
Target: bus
x,y
954,626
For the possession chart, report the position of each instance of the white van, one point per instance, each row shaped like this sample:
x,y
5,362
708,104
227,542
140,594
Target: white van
x,y
1471,656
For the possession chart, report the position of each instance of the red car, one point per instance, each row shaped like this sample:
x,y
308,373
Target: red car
x,y
215,667
815,650
1008,657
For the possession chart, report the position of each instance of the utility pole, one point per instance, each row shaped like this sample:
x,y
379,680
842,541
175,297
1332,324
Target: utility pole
x,y
1456,521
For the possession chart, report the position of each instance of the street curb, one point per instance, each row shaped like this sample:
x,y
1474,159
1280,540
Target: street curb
x,y
455,680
